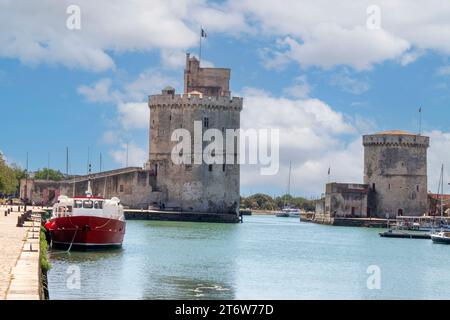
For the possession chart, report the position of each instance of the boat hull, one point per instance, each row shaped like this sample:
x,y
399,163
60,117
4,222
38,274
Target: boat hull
x,y
282,215
86,232
288,215
440,239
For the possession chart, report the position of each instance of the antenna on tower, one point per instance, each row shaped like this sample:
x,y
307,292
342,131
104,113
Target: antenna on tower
x,y
420,121
89,160
48,163
202,35
67,161
127,157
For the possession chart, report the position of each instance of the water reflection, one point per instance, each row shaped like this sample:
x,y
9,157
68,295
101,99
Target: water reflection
x,y
263,258
158,260
188,288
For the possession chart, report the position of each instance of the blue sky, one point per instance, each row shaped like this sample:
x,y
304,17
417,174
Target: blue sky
x,y
318,75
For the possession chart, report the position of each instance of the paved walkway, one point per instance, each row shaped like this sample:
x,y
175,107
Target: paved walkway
x,y
17,262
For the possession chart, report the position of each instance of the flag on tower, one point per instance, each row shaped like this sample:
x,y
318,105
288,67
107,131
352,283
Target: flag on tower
x,y
203,33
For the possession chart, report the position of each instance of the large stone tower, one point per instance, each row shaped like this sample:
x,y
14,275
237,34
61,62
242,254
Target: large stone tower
x,y
395,168
205,104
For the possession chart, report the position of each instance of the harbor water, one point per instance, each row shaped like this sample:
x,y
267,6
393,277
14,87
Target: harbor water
x,y
264,258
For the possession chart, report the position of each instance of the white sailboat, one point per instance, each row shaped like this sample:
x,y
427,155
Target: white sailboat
x,y
287,211
443,236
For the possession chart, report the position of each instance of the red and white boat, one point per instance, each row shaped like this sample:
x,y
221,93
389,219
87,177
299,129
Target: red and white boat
x,y
86,222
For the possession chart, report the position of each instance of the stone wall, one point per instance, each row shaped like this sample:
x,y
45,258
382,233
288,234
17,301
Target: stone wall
x,y
209,81
40,191
193,186
133,186
395,168
344,200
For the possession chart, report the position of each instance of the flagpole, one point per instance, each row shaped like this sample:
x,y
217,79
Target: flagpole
x,y
420,121
200,46
329,172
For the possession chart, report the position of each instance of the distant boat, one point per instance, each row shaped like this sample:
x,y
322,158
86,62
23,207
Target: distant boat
x,y
441,236
287,211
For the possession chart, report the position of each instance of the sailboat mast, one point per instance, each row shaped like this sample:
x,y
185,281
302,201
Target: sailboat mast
x,y
442,191
289,184
289,179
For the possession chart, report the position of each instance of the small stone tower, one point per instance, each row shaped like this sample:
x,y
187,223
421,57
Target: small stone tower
x,y
206,103
395,169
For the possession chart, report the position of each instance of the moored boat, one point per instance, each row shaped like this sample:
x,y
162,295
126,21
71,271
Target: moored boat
x,y
441,237
288,212
86,223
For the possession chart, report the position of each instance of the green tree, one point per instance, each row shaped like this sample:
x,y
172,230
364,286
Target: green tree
x,y
8,179
258,201
48,174
261,201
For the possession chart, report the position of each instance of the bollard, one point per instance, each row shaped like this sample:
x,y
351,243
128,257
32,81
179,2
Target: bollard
x,y
6,213
19,221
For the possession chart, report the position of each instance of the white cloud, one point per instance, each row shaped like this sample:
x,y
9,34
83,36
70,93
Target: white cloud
x,y
109,137
438,155
36,32
130,97
134,115
315,32
410,57
329,33
300,88
98,92
132,112
220,17
315,137
312,135
150,81
443,71
173,58
330,45
136,155
352,85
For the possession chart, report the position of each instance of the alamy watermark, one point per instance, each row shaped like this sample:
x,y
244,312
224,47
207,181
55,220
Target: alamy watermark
x,y
373,21
73,21
227,146
73,281
374,278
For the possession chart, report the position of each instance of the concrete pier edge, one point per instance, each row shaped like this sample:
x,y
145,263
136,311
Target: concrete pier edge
x,y
26,281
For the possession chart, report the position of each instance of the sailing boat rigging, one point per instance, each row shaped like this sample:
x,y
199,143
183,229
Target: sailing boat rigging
x,y
287,211
443,236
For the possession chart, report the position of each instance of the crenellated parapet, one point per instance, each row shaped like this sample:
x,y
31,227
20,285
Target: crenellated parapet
x,y
206,103
390,140
193,101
